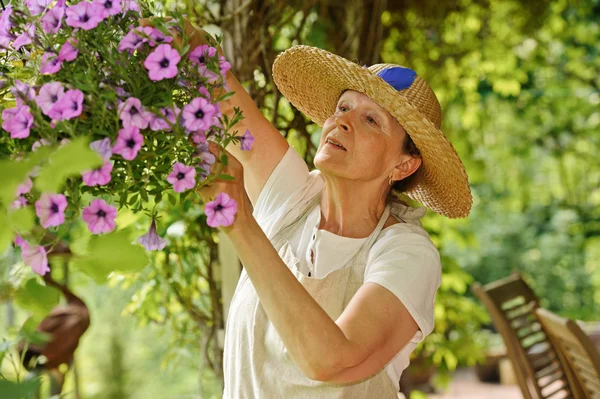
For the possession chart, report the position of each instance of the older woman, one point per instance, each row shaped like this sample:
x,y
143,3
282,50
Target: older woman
x,y
339,277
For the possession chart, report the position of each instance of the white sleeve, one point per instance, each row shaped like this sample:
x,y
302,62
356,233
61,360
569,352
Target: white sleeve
x,y
408,264
288,185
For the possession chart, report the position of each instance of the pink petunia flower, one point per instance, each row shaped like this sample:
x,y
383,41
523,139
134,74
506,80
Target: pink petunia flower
x,y
19,241
99,176
84,15
151,240
24,188
50,208
69,106
199,56
182,177
131,5
246,141
102,147
198,114
100,217
132,113
37,6
221,211
224,65
5,26
52,20
50,63
128,142
20,202
157,37
17,121
49,94
35,257
109,7
26,37
131,41
68,52
22,92
162,63
199,136
207,159
159,123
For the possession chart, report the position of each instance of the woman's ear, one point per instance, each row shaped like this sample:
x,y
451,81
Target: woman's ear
x,y
409,166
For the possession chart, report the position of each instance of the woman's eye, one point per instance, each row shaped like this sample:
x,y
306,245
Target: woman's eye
x,y
371,120
343,108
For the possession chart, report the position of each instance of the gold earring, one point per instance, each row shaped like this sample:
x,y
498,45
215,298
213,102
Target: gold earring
x,y
391,182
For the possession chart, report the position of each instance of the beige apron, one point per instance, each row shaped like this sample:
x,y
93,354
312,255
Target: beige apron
x,y
257,364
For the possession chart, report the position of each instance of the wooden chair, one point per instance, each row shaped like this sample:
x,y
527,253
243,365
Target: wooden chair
x,y
539,372
576,351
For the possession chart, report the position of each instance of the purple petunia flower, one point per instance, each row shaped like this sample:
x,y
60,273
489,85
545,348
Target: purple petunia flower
x,y
151,240
207,159
109,7
224,65
49,94
159,123
52,20
37,6
26,37
182,177
102,147
221,211
20,202
198,114
17,121
50,64
35,257
22,91
199,56
19,241
162,63
5,25
157,37
68,52
69,106
199,136
99,176
246,141
84,15
131,5
132,113
100,217
50,208
131,41
128,142
24,188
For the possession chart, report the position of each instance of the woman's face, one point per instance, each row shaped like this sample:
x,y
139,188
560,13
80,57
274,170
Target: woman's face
x,y
371,141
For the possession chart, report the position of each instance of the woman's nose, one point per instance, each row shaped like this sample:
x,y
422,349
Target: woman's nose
x,y
342,122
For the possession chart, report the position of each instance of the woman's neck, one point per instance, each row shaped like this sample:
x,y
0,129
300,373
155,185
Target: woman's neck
x,y
351,208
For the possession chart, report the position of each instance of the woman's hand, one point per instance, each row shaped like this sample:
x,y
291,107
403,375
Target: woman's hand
x,y
234,188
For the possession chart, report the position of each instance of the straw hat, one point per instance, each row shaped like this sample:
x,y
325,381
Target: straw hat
x,y
313,80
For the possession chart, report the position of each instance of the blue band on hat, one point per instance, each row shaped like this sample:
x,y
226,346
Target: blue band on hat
x,y
397,77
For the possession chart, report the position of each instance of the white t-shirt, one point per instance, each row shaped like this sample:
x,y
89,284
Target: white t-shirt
x,y
403,259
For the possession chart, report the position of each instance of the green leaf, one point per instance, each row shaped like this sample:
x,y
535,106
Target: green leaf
x,y
224,159
22,219
36,298
68,160
225,177
111,252
25,390
14,173
172,199
226,96
6,233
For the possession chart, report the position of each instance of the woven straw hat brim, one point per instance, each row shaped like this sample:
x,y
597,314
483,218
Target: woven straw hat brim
x,y
313,79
